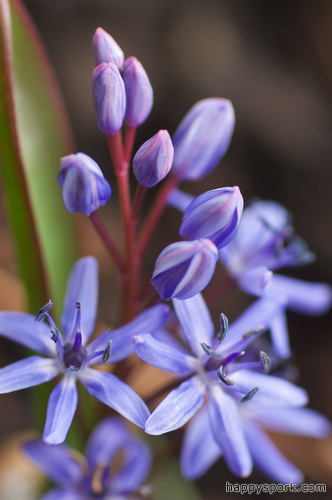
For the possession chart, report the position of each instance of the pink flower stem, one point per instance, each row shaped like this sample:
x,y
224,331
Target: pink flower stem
x,y
138,198
155,213
105,236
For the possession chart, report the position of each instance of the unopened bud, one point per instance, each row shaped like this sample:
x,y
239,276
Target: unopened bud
x,y
153,160
139,93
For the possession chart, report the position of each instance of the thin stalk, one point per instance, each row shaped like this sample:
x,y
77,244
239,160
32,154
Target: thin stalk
x,y
105,236
138,198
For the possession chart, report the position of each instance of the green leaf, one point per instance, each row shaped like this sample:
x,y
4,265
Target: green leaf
x,y
34,134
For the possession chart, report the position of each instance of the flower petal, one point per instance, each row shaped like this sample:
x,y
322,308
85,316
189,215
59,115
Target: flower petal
x,y
279,335
162,355
55,461
300,421
273,391
60,410
177,408
22,328
148,321
114,393
196,322
199,448
268,458
303,297
27,372
228,431
62,495
82,286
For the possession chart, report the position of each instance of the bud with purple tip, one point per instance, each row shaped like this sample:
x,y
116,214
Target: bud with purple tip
x,y
202,138
106,49
184,268
139,93
84,188
153,160
215,215
109,97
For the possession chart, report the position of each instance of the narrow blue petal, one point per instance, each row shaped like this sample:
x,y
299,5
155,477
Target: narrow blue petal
x,y
300,421
228,431
60,410
22,328
27,372
179,199
254,280
279,335
199,448
105,441
303,297
162,355
82,286
196,322
55,461
114,393
273,391
268,458
62,495
177,408
148,321
135,467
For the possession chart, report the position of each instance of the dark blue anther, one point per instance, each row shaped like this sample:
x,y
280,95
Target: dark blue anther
x,y
223,377
41,313
207,349
55,334
107,353
266,361
254,331
223,327
249,395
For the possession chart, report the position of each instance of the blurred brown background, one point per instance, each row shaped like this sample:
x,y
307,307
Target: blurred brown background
x,y
274,61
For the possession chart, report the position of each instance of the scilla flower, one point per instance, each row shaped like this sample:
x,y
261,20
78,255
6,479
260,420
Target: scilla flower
x,y
99,474
84,187
70,356
212,374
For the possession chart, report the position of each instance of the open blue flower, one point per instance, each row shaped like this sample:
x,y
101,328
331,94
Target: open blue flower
x,y
93,477
70,355
212,372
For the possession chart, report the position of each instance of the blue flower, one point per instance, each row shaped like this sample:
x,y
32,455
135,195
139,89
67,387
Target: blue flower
x,y
212,372
71,356
92,476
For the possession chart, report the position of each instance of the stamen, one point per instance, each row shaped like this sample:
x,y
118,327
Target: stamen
x,y
254,331
249,395
41,313
55,334
78,342
107,353
207,349
233,356
223,327
77,325
97,480
223,377
266,361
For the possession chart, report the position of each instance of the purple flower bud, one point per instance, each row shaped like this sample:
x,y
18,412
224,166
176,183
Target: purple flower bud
x,y
84,188
184,268
139,92
109,97
106,49
153,160
215,215
202,138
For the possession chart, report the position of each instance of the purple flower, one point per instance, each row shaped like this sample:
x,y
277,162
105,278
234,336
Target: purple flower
x,y
202,447
184,268
106,49
109,97
139,92
215,215
212,372
84,187
264,242
98,474
202,138
153,160
70,355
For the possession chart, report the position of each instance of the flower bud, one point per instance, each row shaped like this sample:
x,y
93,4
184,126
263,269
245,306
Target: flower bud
x,y
139,92
84,188
106,49
215,215
109,97
202,138
153,160
184,269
